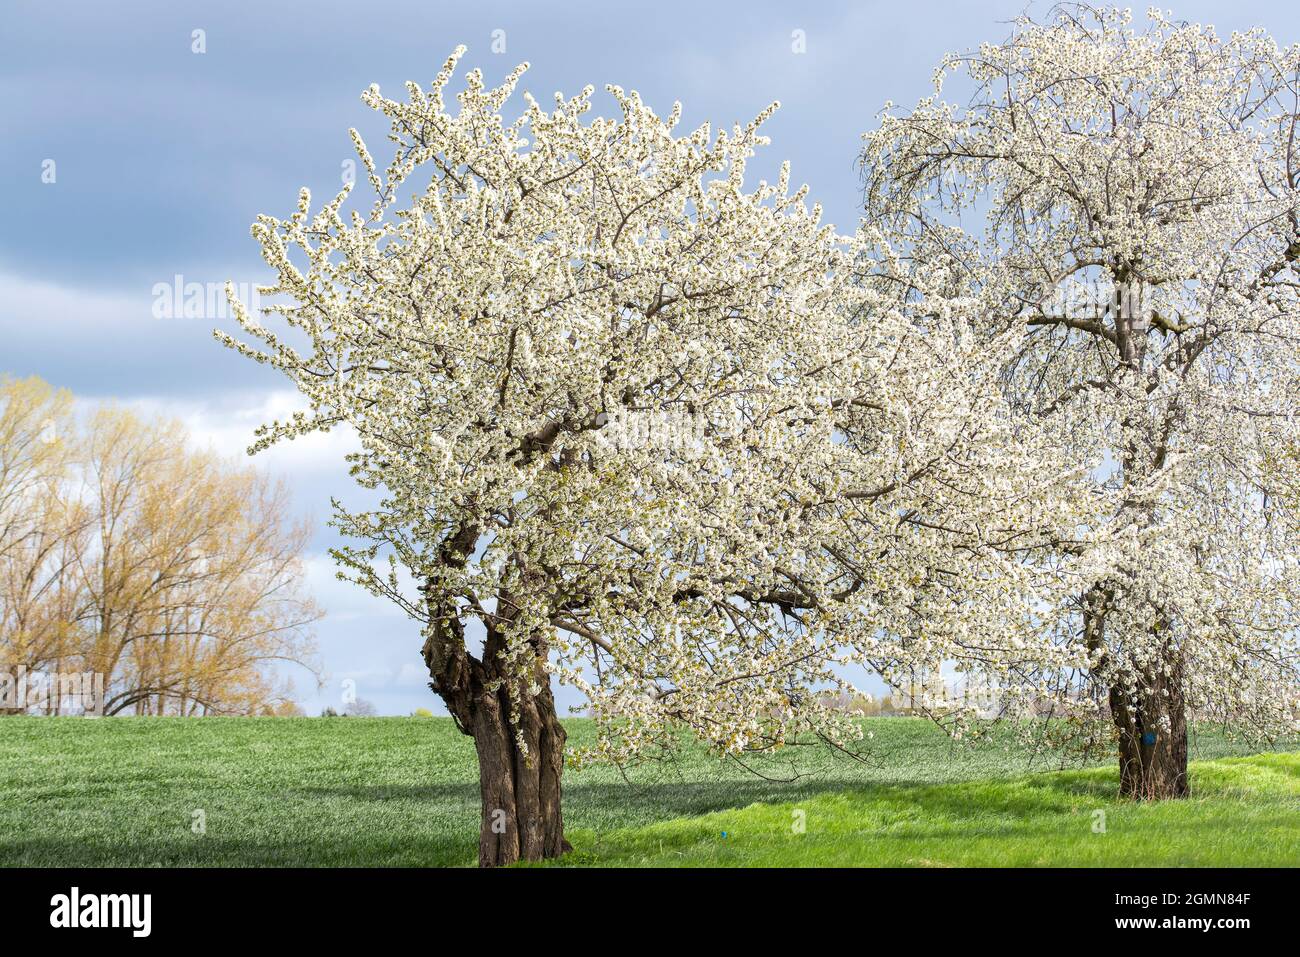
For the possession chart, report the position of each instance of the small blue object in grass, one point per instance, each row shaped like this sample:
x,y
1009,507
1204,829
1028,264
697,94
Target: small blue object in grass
x,y
724,833
1149,737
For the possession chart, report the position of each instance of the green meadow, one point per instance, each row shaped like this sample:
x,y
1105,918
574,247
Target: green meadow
x,y
403,792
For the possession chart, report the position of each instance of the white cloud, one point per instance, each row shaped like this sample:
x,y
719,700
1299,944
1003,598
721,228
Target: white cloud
x,y
226,425
344,600
101,343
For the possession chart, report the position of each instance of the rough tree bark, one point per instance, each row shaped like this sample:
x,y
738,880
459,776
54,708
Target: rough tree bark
x,y
520,790
1153,734
1152,729
519,739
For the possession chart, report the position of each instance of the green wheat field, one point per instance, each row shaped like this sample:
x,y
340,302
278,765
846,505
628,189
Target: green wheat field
x,y
402,792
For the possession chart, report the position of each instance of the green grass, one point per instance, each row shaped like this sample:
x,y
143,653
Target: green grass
x,y
1246,812
403,791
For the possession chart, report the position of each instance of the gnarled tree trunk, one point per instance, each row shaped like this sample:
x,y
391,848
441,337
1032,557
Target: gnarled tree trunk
x,y
520,764
1152,736
1152,725
519,740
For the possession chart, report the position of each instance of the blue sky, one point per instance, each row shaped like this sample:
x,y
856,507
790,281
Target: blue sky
x,y
162,156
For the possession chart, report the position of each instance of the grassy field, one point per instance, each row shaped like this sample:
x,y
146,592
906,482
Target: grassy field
x,y
402,791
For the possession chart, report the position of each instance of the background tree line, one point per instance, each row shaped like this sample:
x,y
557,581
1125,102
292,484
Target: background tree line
x,y
125,552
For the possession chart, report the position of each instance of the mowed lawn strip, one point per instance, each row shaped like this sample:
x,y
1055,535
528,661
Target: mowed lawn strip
x,y
403,792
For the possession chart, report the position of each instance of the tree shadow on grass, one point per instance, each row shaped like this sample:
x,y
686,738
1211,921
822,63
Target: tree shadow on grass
x,y
443,792
641,803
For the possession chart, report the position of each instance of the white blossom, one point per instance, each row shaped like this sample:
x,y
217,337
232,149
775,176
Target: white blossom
x,y
517,288
1157,167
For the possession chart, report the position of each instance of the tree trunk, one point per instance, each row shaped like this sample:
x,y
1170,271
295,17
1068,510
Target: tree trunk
x,y
1152,737
520,755
1152,724
521,813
